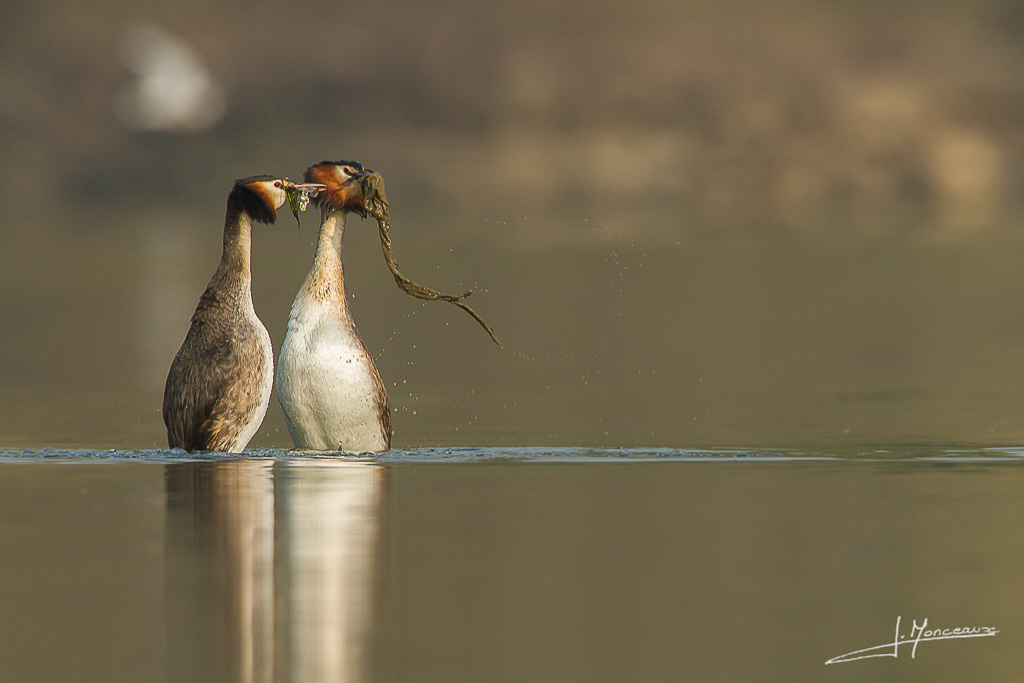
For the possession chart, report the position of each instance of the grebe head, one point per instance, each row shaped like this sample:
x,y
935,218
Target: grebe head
x,y
263,195
344,187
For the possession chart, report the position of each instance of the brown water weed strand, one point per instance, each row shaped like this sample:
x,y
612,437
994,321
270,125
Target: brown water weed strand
x,y
376,202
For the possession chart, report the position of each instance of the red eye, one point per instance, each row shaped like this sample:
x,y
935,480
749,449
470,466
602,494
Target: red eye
x,y
277,183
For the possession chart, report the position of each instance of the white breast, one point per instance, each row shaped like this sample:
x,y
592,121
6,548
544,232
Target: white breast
x,y
327,383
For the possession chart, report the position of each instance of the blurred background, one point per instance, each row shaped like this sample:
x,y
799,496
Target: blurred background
x,y
691,223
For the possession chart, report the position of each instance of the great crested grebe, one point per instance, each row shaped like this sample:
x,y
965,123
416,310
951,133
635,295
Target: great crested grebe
x,y
218,387
331,393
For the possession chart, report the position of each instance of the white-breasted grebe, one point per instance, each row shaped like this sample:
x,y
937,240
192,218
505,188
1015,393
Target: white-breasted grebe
x,y
331,393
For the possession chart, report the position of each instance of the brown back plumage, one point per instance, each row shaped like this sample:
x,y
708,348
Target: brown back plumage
x,y
212,388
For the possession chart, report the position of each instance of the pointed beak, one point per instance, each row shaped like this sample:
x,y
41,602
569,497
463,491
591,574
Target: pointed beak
x,y
298,196
310,188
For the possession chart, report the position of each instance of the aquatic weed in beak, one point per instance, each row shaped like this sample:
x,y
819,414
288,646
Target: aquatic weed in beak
x,y
298,197
296,202
375,201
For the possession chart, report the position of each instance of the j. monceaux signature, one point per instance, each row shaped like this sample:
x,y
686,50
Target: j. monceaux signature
x,y
919,633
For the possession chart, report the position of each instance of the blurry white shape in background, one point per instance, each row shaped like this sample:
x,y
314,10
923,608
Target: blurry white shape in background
x,y
173,91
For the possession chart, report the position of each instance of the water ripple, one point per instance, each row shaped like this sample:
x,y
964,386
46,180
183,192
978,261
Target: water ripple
x,y
466,454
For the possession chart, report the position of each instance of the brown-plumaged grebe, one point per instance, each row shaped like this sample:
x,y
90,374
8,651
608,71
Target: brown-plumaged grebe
x,y
218,387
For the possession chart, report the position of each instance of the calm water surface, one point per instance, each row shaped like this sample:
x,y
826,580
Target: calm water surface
x,y
508,565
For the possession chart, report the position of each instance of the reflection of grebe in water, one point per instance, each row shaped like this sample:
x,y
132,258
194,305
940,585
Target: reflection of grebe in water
x,y
270,568
329,387
218,387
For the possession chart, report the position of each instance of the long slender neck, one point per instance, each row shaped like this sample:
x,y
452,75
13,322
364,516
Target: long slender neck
x,y
326,279
234,270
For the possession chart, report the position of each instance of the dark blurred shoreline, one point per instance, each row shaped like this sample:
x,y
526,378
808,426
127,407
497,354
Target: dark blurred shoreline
x,y
821,119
